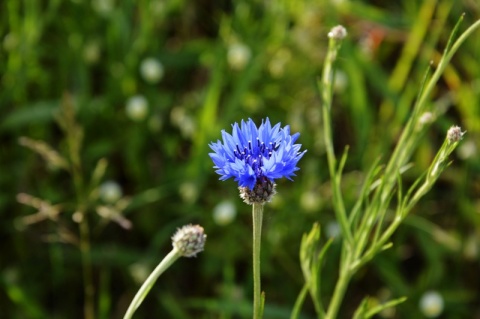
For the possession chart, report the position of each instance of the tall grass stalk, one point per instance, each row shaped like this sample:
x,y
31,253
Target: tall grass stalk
x,y
365,230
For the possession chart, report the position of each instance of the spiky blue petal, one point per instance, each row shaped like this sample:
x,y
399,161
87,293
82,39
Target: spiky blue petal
x,y
251,153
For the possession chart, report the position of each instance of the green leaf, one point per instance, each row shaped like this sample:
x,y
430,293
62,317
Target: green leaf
x,y
38,113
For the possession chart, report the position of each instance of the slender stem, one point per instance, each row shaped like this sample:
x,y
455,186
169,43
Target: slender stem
x,y
257,216
340,289
326,89
88,306
148,284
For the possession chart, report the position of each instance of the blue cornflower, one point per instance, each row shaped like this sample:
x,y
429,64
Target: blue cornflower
x,y
254,155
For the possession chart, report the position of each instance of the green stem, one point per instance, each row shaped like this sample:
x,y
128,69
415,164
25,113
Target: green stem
x,y
340,289
326,89
89,309
257,216
148,284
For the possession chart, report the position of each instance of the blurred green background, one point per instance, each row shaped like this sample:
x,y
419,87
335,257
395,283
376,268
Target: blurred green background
x,y
146,85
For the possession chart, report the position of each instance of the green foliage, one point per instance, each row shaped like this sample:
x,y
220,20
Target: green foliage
x,y
68,70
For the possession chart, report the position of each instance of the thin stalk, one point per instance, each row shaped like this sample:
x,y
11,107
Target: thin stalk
x,y
148,284
340,287
326,90
88,306
257,217
84,229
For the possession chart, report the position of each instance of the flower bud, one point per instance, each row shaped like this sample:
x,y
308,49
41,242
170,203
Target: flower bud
x,y
189,240
338,33
455,134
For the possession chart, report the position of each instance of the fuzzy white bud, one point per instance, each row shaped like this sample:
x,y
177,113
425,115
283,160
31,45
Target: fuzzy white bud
x,y
455,134
338,33
189,240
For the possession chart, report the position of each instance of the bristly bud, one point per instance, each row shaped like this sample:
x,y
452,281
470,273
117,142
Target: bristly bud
x,y
338,33
262,192
455,134
189,240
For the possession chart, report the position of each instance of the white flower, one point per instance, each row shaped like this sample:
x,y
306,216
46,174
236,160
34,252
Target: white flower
x,y
224,213
238,56
431,304
110,192
152,70
137,108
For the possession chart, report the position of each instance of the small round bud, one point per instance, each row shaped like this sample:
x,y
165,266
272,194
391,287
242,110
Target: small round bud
x,y
262,192
337,33
137,108
455,134
238,56
431,304
189,240
151,70
110,192
224,213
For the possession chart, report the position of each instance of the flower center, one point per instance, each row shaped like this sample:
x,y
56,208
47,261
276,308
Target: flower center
x,y
253,154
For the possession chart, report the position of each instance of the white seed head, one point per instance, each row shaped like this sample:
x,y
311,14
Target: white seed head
x,y
238,56
189,240
152,70
137,108
455,134
110,192
224,213
338,33
431,304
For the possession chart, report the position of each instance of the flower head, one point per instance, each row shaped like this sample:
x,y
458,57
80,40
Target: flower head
x,y
189,240
254,155
455,134
338,33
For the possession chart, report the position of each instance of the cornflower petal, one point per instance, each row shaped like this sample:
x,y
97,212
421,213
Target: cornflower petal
x,y
252,155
